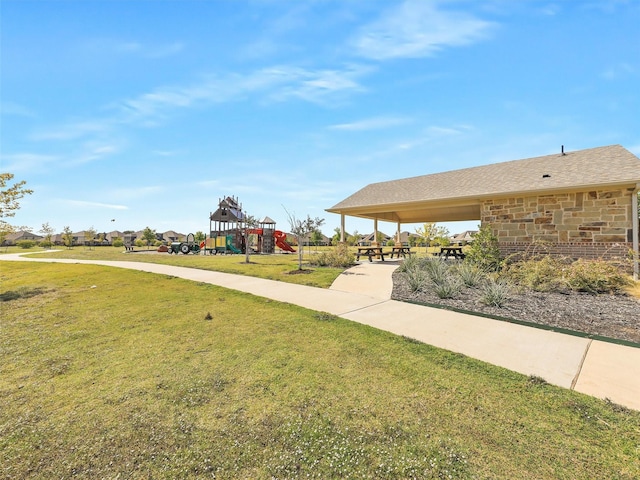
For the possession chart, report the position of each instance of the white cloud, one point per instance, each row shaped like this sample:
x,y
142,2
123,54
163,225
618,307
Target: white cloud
x,y
19,162
418,29
276,83
83,203
374,123
124,47
72,131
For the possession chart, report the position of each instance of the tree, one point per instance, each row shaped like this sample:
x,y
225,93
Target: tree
x,y
199,236
316,238
149,236
485,250
353,238
335,240
250,222
430,231
47,231
302,228
5,230
90,236
9,196
67,237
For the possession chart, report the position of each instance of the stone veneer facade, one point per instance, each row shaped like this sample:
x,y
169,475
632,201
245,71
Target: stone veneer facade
x,y
587,224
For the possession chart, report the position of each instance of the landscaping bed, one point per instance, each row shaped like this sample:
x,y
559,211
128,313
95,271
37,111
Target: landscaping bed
x,y
614,316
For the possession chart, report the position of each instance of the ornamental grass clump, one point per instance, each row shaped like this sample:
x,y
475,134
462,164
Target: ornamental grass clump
x,y
436,269
409,263
470,274
417,278
495,293
448,286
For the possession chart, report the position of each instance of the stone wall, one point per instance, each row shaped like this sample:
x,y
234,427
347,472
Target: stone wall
x,y
590,224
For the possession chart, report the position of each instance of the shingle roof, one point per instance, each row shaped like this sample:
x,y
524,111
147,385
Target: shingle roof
x,y
591,168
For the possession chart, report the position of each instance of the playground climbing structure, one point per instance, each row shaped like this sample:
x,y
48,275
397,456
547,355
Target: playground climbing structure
x,y
228,232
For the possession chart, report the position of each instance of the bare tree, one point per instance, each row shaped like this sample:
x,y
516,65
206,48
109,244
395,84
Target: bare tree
x,y
301,229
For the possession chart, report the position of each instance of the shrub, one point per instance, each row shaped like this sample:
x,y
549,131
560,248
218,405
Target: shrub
x,y
595,276
117,242
495,292
46,244
337,257
484,251
26,244
542,274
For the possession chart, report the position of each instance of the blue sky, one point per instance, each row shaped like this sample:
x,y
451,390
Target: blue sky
x,y
148,112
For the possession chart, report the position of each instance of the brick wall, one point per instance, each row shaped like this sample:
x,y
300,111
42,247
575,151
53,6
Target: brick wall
x,y
590,224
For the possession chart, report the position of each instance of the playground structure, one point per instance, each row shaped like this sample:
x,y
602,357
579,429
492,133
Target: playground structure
x,y
227,230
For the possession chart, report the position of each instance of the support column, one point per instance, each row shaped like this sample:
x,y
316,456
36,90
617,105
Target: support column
x,y
635,231
375,233
342,239
398,234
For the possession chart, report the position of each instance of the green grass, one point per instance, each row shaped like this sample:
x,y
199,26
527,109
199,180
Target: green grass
x,y
281,267
173,379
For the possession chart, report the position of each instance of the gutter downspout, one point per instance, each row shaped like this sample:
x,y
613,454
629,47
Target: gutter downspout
x,y
635,231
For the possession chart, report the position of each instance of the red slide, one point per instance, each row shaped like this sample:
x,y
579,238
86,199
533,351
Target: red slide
x,y
281,241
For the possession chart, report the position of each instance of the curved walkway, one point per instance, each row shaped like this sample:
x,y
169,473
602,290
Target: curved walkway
x,y
362,294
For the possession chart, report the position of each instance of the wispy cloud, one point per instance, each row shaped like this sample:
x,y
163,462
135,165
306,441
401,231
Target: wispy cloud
x,y
72,130
84,203
19,162
278,83
374,123
132,47
418,29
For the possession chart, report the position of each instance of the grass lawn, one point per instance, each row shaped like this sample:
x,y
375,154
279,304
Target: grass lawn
x,y
168,378
281,267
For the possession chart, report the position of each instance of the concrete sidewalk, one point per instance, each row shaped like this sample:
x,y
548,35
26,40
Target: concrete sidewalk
x,y
362,294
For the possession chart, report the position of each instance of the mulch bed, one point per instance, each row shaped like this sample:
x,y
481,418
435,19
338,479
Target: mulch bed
x,y
607,315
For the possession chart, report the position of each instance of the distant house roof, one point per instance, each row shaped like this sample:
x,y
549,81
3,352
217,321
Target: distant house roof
x,y
466,236
457,194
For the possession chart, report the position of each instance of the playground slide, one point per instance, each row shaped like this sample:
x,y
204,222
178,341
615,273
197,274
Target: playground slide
x,y
230,245
281,241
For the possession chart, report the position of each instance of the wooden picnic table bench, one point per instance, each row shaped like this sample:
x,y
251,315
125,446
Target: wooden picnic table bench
x,y
401,250
370,252
455,252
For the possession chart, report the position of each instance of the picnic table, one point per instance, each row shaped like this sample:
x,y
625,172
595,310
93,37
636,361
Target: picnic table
x,y
401,250
370,252
455,252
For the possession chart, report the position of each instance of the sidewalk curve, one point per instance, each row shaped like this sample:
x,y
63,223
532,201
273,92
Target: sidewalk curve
x,y
362,294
